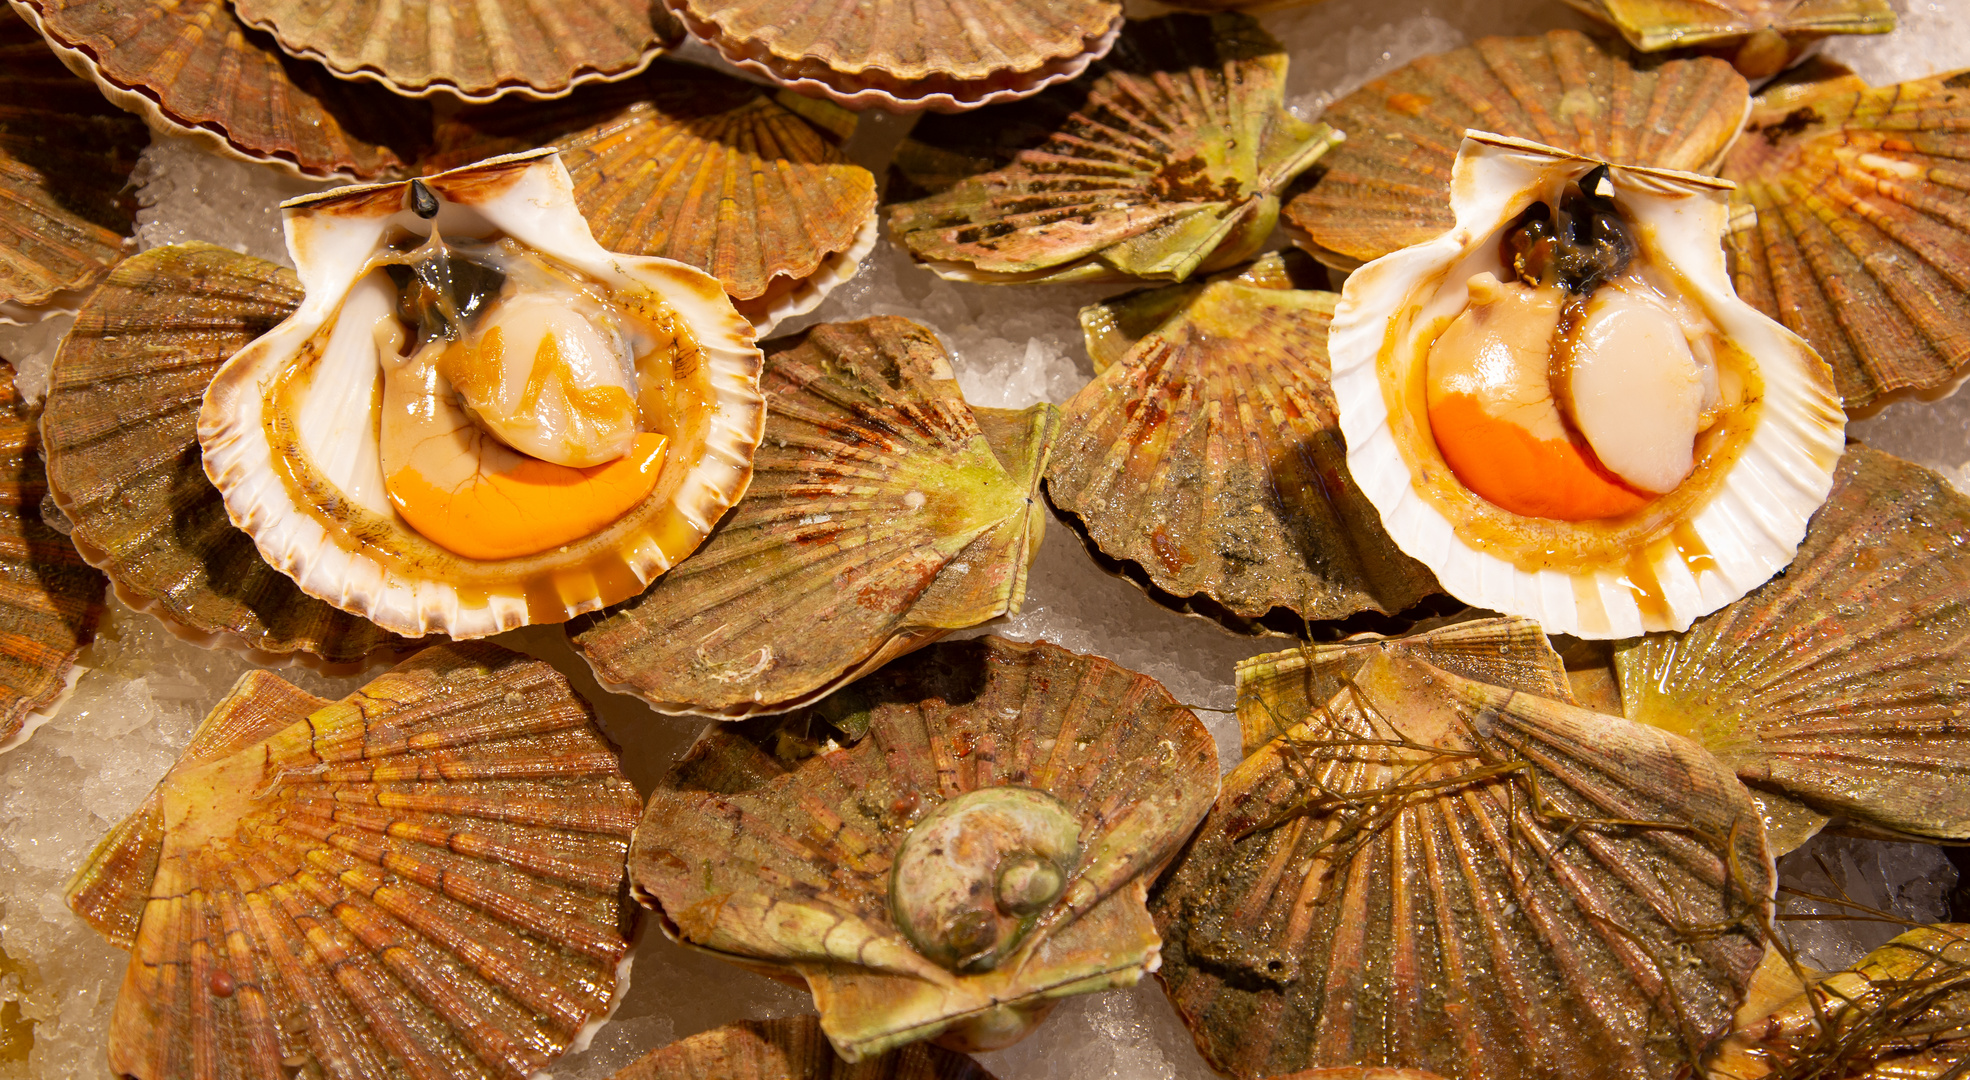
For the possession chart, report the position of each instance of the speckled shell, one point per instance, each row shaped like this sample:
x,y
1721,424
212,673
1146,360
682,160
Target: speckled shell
x,y
1424,873
1843,682
1170,162
927,54
772,848
691,165
1858,243
884,513
422,879
191,68
119,431
65,160
791,1049
1209,456
1388,186
474,51
1761,36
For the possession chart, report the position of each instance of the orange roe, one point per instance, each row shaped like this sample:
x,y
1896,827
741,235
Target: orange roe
x,y
1504,464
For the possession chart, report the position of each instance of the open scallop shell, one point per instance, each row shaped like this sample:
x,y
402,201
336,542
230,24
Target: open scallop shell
x,y
691,165
1859,244
932,54
1170,162
1210,457
422,879
1721,533
884,513
1840,682
1760,36
791,1049
119,431
773,848
1388,186
1432,872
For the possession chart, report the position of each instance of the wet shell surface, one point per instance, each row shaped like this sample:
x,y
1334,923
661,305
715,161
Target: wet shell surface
x,y
929,54
191,68
1431,872
1760,36
1004,809
884,513
791,1049
1209,456
1844,682
1859,244
1759,457
119,430
422,879
1169,162
360,479
691,165
1387,187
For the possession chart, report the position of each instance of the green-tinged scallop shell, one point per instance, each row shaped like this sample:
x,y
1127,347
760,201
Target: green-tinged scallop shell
x,y
120,432
1432,872
1388,186
1169,162
775,847
1209,456
1860,243
1844,681
1760,36
884,512
422,879
791,1049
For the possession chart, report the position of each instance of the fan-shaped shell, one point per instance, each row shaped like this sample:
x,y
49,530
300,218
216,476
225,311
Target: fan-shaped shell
x,y
1169,162
1210,457
424,878
791,1049
1388,186
1761,36
1844,681
1431,872
884,512
1860,244
193,69
691,165
120,432
928,54
773,848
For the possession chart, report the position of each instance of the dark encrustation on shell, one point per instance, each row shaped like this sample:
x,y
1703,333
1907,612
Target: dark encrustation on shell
x,y
1760,36
120,433
422,879
791,1049
1388,186
884,513
1209,457
1169,162
1432,872
1859,243
983,850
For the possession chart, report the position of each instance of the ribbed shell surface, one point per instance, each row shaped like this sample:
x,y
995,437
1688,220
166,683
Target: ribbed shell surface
x,y
791,1049
1668,24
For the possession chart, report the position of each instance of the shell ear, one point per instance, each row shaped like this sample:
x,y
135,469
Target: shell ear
x,y
110,890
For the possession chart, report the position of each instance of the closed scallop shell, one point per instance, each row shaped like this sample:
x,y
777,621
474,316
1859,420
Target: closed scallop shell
x,y
1760,36
192,68
691,165
120,433
1388,186
1210,457
791,1049
884,513
774,846
1431,872
1859,243
1841,682
929,54
424,878
1169,162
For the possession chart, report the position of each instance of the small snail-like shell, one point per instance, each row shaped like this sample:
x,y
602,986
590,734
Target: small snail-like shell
x,y
975,873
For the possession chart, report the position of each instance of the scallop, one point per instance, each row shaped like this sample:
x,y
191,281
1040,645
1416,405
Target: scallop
x,y
478,418
790,1049
1561,408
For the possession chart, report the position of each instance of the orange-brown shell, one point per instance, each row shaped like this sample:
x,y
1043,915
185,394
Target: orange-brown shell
x,y
791,1049
1761,37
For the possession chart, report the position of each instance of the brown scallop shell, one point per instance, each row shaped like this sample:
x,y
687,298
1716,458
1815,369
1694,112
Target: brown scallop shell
x,y
1843,681
1760,36
791,1049
1431,872
422,879
884,513
120,432
1860,243
192,68
1388,186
